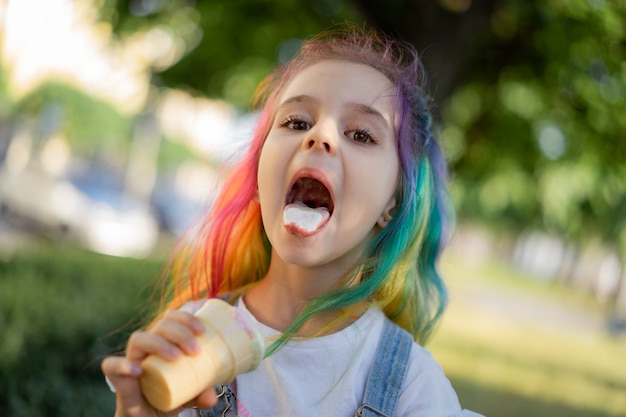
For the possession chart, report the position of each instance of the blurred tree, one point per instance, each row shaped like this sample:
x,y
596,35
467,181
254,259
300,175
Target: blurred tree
x,y
536,131
229,46
447,33
91,125
531,94
50,84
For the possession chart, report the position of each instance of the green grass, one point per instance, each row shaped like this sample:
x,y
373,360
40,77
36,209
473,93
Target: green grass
x,y
502,364
61,311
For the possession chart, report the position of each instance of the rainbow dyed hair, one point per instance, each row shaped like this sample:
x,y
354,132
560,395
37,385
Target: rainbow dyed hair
x,y
399,271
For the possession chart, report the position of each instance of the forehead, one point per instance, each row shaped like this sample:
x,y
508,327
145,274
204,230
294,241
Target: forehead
x,y
342,80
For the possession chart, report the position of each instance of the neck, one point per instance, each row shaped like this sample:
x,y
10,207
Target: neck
x,y
287,289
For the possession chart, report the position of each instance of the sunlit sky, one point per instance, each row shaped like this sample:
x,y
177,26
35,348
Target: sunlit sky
x,y
61,39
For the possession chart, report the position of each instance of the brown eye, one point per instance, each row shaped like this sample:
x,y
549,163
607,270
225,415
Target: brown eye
x,y
299,125
295,123
361,136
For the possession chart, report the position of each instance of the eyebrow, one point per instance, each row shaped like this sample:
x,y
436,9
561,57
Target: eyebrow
x,y
303,98
359,107
364,108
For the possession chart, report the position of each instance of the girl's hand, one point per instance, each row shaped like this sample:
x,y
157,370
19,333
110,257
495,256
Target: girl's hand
x,y
170,337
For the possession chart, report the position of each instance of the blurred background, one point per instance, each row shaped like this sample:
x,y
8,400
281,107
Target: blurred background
x,y
115,117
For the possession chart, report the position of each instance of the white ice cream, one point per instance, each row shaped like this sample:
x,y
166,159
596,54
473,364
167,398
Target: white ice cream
x,y
305,218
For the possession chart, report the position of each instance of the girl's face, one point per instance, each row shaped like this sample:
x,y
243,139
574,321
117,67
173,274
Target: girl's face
x,y
329,167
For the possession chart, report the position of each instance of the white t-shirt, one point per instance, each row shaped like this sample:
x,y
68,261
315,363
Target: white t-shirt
x,y
326,376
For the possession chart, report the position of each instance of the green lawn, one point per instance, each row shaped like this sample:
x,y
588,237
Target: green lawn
x,y
62,310
506,363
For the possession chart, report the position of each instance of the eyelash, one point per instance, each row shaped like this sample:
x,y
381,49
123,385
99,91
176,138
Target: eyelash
x,y
294,119
291,120
370,138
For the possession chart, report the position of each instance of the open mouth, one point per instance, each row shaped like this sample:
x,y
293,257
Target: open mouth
x,y
311,193
308,207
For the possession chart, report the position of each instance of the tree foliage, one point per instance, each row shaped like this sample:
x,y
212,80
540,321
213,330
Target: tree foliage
x,y
536,131
230,45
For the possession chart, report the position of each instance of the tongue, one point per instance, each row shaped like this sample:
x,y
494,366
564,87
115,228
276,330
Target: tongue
x,y
303,219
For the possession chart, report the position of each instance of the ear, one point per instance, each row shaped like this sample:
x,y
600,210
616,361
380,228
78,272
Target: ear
x,y
256,197
387,213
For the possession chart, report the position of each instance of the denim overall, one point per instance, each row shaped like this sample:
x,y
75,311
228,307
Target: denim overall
x,y
383,382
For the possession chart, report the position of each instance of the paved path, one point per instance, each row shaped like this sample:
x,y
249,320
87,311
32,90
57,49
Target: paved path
x,y
527,309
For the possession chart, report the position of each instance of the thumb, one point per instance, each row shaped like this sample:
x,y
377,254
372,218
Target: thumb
x,y
123,377
206,399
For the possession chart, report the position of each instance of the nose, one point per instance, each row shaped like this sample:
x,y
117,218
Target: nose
x,y
318,143
321,137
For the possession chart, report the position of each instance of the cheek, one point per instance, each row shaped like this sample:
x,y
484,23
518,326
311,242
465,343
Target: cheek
x,y
264,173
383,174
269,174
374,184
389,182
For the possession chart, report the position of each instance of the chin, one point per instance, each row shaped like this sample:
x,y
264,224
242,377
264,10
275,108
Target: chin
x,y
303,257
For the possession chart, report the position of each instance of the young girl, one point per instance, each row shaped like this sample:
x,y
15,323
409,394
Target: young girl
x,y
326,232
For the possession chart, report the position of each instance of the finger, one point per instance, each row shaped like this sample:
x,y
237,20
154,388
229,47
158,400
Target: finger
x,y
178,334
186,319
142,344
206,399
123,375
116,367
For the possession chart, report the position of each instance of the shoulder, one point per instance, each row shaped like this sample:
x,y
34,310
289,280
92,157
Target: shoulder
x,y
426,390
421,363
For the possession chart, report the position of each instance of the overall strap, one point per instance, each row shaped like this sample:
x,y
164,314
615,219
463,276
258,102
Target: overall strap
x,y
387,374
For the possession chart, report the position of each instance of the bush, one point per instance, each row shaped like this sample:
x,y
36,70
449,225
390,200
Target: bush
x,y
61,311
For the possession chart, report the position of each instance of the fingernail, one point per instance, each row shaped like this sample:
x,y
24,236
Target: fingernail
x,y
197,326
173,352
135,370
195,347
